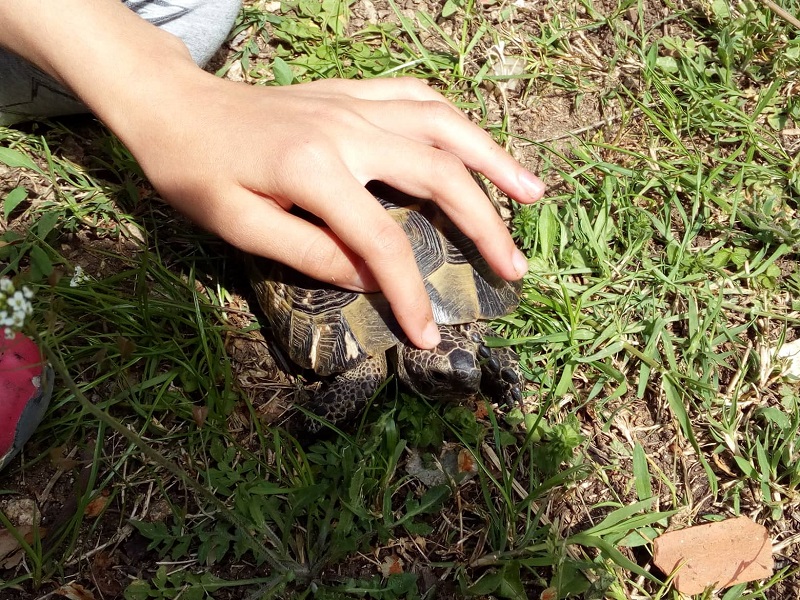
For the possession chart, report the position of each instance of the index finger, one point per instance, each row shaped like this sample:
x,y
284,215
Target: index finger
x,y
426,172
358,219
435,124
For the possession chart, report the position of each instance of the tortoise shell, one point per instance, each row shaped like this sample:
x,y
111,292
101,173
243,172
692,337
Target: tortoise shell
x,y
331,330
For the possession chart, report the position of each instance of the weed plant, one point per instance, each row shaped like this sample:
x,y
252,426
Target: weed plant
x,y
663,280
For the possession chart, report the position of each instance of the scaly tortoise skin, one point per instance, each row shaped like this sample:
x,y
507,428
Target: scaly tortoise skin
x,y
352,338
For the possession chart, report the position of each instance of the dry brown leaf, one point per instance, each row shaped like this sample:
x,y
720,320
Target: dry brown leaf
x,y
60,458
466,462
105,576
722,466
75,591
481,411
392,565
715,555
11,553
126,347
96,506
550,593
55,276
199,414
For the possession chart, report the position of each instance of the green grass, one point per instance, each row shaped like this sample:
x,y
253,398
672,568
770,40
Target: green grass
x,y
663,277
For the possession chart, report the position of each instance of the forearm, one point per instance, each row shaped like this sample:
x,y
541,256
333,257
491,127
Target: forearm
x,y
109,57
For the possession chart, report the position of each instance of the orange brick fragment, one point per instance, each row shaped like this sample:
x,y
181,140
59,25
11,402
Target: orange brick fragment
x,y
717,555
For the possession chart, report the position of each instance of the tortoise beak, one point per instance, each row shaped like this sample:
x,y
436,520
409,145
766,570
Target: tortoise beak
x,y
466,374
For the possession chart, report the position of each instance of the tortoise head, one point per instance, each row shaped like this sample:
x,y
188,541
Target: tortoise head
x,y
449,371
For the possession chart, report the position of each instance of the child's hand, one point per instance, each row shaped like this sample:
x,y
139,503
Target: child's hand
x,y
236,158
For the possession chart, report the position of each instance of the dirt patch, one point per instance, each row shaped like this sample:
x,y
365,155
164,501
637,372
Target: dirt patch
x,y
546,122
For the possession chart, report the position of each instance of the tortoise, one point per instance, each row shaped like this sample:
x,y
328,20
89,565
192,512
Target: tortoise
x,y
350,339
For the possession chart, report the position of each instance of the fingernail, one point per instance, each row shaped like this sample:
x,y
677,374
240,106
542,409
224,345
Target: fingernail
x,y
520,263
532,185
431,336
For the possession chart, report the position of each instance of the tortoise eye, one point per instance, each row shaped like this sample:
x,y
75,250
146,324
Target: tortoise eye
x,y
439,377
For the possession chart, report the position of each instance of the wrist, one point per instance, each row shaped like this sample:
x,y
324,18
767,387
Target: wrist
x,y
162,111
149,92
110,58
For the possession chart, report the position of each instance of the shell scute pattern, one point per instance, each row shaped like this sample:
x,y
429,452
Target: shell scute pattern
x,y
347,335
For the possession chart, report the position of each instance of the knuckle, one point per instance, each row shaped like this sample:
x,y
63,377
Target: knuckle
x,y
445,166
319,260
332,112
241,230
307,151
438,113
416,87
389,242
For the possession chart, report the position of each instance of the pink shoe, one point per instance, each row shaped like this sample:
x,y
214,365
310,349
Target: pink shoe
x,y
26,384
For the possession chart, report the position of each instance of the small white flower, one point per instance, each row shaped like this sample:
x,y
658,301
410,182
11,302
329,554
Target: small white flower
x,y
15,306
79,277
17,302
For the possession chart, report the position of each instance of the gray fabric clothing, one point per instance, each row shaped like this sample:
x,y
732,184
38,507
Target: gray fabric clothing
x,y
26,92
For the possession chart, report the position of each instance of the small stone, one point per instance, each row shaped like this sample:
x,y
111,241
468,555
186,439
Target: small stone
x,y
369,11
716,555
22,511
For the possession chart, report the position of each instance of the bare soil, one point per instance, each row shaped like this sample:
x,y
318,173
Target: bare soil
x,y
111,553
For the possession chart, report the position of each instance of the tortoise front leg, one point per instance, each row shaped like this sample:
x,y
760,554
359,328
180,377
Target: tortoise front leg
x,y
501,378
345,395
